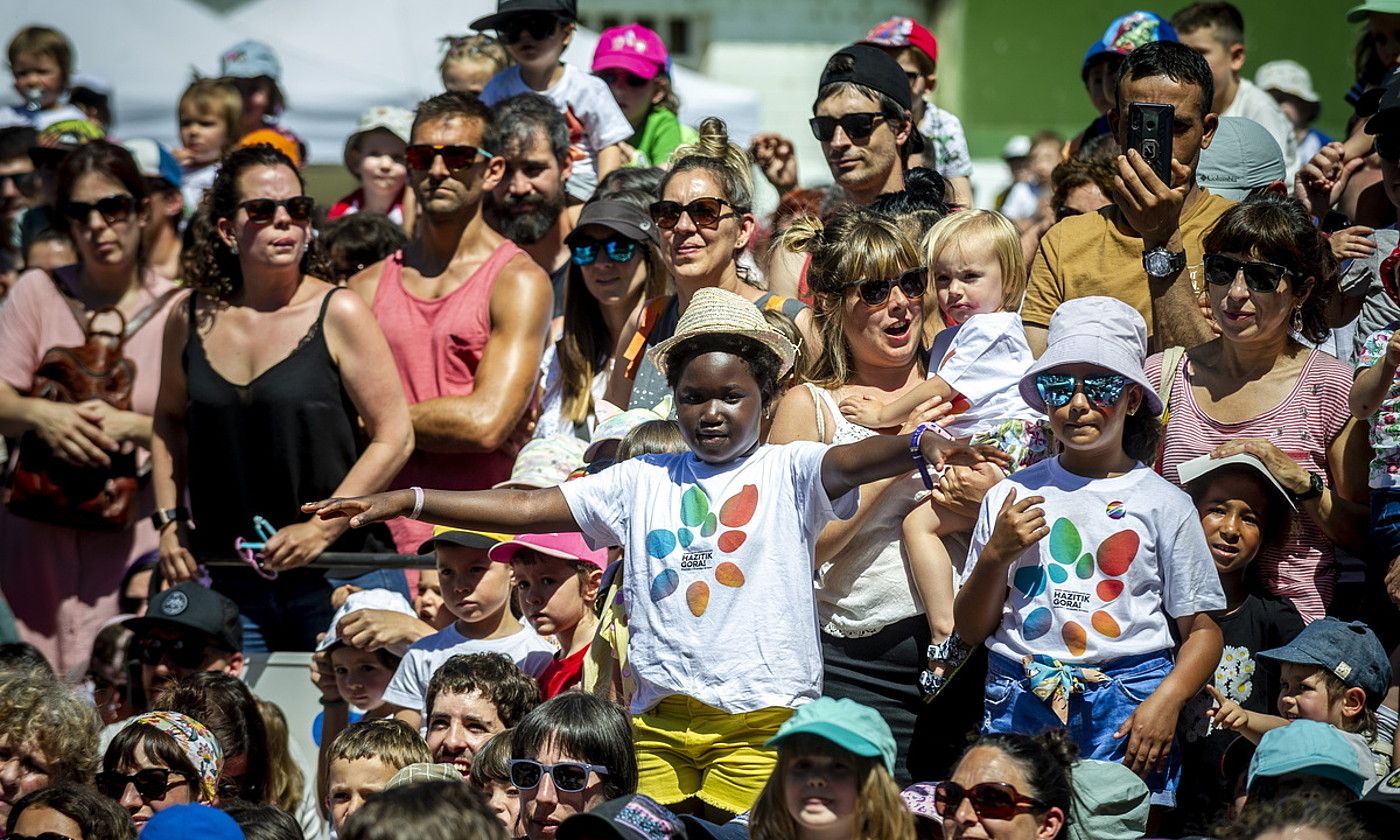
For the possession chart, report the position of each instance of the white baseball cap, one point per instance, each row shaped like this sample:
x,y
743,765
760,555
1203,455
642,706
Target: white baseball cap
x,y
368,599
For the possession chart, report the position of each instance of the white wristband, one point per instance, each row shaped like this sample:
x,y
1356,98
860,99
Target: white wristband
x,y
417,502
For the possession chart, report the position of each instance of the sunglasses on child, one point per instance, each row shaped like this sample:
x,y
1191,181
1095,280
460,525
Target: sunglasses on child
x,y
539,26
262,210
614,78
619,250
1259,276
857,126
186,652
151,783
912,283
1057,389
569,776
705,213
113,209
420,156
991,800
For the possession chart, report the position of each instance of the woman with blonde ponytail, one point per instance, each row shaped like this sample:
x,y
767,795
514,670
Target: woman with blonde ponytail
x,y
705,223
868,282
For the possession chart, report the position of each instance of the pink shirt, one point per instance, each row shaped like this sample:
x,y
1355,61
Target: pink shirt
x,y
1304,568
62,583
437,345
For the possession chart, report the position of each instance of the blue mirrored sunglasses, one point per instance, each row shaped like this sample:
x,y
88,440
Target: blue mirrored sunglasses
x,y
618,250
1057,389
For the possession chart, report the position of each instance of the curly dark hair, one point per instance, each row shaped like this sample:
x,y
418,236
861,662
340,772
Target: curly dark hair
x,y
492,675
209,265
1279,230
762,362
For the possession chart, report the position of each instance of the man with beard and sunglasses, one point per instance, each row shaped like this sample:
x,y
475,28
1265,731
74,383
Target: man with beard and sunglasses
x,y
529,204
186,629
466,312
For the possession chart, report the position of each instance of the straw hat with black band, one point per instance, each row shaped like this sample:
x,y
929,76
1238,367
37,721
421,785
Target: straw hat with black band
x,y
715,311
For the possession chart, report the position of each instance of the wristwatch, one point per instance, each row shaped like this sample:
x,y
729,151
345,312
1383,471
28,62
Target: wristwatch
x,y
164,517
1161,263
1315,488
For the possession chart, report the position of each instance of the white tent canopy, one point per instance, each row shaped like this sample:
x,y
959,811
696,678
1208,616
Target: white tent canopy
x,y
339,57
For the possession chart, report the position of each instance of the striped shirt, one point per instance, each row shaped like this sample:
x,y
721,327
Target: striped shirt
x,y
1304,568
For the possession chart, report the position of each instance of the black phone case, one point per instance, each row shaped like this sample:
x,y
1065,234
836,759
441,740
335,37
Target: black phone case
x,y
1150,132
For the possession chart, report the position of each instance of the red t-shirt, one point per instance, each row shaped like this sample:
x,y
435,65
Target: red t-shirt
x,y
562,674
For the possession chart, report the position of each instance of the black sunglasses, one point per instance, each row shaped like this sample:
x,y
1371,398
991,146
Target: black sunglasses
x,y
23,181
47,835
539,26
619,250
569,776
420,156
263,210
151,783
857,126
1388,146
991,800
613,78
1259,276
912,283
706,213
113,209
185,652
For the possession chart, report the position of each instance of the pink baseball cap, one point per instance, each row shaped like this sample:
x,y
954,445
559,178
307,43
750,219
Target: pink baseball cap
x,y
568,546
633,48
903,32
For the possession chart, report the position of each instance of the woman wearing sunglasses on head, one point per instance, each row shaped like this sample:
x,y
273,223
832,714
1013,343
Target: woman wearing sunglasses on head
x,y
68,586
615,266
160,759
275,388
68,812
569,755
1009,787
1259,389
705,224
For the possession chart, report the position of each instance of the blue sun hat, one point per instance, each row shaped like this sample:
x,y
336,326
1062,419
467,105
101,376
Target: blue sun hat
x,y
849,725
1094,330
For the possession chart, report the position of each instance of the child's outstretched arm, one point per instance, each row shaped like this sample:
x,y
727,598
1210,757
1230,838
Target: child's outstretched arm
x,y
850,465
1152,725
512,511
873,414
610,158
977,608
1231,715
1373,383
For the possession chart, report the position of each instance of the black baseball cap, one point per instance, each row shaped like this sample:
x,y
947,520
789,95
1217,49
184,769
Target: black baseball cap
x,y
189,606
567,9
870,67
1386,118
634,817
627,219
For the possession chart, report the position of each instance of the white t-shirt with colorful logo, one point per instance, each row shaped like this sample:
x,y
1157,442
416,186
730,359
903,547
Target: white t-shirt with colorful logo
x,y
1123,554
984,362
718,571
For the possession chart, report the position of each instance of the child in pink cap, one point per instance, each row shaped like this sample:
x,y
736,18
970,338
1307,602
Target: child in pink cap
x,y
556,578
633,61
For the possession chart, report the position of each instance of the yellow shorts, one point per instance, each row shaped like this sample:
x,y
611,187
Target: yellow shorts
x,y
686,748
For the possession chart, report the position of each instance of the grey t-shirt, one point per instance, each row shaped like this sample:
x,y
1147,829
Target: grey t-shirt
x,y
1362,278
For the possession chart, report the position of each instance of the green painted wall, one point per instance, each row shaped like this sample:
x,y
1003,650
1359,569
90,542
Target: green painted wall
x,y
1012,66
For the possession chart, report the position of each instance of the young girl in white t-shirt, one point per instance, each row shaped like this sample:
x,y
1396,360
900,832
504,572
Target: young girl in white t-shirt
x,y
720,544
976,363
1079,564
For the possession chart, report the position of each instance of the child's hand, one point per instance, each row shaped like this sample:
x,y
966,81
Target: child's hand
x,y
1392,581
1150,730
323,674
1227,714
864,410
1352,243
1019,525
182,156
774,156
363,510
1321,181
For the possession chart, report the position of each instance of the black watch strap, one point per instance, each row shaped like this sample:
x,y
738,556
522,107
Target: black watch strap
x,y
165,516
1315,488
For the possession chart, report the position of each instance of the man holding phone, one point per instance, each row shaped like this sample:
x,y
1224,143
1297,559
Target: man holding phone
x,y
1145,249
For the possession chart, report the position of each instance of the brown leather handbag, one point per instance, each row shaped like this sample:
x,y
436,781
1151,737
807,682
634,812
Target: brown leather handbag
x,y
44,487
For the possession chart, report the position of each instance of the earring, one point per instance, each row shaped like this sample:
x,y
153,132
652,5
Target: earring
x,y
233,247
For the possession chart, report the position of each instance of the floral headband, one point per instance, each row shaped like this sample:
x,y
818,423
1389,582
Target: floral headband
x,y
197,743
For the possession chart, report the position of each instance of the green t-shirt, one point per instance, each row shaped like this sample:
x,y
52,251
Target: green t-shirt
x,y
659,137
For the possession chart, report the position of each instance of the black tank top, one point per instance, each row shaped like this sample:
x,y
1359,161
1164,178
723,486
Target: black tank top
x,y
288,437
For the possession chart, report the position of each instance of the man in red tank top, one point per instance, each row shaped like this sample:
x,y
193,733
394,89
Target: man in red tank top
x,y
466,312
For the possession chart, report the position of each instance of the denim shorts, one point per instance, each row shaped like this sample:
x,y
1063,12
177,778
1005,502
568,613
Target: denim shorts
x,y
1093,716
1385,524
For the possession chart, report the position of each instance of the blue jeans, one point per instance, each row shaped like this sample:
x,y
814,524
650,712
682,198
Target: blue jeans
x,y
287,613
1093,716
1385,525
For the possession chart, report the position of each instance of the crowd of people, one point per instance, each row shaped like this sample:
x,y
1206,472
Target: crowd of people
x,y
879,517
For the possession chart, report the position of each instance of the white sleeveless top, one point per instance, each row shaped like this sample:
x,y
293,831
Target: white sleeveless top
x,y
867,587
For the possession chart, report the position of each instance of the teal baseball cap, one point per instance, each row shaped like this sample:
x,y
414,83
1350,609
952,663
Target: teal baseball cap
x,y
1312,748
1385,7
847,724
